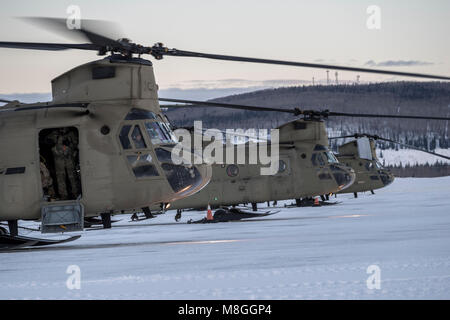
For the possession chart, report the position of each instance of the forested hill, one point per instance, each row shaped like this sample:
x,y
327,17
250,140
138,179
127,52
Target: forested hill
x,y
406,98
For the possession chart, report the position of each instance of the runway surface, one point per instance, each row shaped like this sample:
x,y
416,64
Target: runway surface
x,y
400,236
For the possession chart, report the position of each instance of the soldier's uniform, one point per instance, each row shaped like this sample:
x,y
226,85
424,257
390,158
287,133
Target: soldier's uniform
x,y
64,153
47,181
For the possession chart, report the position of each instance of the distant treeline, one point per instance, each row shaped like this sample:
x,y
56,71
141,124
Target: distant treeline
x,y
405,98
396,98
421,171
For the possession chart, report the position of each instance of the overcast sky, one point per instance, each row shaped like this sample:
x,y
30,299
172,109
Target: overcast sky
x,y
413,37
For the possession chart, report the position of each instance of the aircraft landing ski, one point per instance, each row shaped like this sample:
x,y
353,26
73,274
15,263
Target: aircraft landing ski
x,y
14,242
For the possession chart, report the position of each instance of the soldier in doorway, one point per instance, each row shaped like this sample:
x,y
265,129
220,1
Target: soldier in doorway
x,y
64,154
47,181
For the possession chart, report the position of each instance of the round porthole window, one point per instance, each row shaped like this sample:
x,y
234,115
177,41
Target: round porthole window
x,y
232,170
282,166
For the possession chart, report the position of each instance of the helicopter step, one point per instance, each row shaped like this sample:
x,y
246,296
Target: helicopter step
x,y
61,216
9,242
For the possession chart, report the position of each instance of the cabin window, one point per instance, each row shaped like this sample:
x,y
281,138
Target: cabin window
x,y
16,170
232,170
282,166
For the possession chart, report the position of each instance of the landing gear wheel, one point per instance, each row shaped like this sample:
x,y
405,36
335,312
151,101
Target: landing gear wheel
x,y
106,220
178,215
13,228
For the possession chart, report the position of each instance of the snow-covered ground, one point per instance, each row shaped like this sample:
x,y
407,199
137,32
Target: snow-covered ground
x,y
412,157
299,253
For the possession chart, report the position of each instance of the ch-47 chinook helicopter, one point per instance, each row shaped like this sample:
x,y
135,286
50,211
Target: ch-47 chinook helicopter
x,y
305,163
360,154
299,175
110,110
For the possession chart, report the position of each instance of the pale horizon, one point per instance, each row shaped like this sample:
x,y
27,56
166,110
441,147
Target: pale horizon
x,y
412,38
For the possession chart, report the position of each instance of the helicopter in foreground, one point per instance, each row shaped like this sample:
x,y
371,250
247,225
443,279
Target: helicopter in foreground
x,y
106,126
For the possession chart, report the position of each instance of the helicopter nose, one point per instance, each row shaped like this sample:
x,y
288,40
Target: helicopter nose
x,y
184,179
345,176
187,180
386,177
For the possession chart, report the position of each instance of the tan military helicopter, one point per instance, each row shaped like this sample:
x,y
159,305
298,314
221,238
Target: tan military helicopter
x,y
305,164
110,110
360,154
299,174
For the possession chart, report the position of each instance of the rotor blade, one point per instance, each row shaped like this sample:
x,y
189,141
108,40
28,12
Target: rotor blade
x,y
182,53
5,101
294,111
364,115
93,30
48,46
342,137
412,147
194,103
49,106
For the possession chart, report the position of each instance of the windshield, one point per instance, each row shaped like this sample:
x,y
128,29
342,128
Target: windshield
x,y
159,133
330,157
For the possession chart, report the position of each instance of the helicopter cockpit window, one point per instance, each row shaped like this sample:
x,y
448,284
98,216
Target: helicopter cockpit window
x,y
140,114
158,133
369,166
123,136
142,165
163,155
330,157
138,139
168,130
319,147
317,159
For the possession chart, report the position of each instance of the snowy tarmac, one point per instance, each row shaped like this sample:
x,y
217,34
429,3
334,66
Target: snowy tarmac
x,y
403,231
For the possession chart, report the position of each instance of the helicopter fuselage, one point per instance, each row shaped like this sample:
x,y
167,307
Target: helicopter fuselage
x,y
116,172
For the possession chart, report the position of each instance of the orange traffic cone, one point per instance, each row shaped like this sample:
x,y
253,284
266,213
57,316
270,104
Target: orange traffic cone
x,y
316,202
209,215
